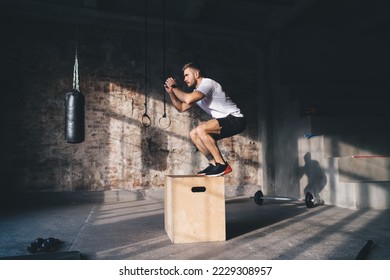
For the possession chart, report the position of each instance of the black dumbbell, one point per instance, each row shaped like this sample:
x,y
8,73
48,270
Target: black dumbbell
x,y
36,245
50,244
44,245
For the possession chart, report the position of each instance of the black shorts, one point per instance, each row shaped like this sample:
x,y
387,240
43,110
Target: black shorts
x,y
231,125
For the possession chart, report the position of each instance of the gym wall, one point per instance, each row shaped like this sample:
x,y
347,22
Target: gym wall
x,y
118,151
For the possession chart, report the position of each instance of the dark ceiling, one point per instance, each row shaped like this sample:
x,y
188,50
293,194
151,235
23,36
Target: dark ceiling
x,y
236,17
240,16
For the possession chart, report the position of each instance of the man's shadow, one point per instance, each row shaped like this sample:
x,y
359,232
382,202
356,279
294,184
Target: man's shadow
x,y
316,176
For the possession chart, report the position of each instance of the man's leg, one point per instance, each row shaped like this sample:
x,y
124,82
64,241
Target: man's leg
x,y
205,143
223,127
199,145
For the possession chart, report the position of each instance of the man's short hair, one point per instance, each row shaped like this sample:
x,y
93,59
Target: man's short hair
x,y
192,65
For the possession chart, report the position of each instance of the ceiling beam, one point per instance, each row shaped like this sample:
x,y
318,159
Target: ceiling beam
x,y
192,9
82,15
282,16
276,2
90,3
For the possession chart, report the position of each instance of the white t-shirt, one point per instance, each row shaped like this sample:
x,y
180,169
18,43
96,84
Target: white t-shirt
x,y
216,103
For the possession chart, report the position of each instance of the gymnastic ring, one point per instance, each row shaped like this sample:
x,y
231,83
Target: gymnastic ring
x,y
146,121
164,121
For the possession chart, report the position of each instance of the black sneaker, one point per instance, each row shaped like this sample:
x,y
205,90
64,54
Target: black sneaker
x,y
219,170
204,171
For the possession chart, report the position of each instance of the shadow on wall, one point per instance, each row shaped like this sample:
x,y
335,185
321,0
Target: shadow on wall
x,y
315,175
155,150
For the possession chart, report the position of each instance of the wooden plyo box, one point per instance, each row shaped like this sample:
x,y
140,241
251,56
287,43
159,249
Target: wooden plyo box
x,y
194,208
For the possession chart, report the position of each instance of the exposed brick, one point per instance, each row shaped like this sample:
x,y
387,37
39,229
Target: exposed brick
x,y
118,152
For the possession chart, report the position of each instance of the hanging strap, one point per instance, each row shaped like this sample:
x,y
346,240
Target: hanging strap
x,y
145,120
164,59
76,73
146,56
164,121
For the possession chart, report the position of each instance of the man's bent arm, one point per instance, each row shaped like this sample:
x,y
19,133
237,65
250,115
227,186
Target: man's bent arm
x,y
188,98
178,104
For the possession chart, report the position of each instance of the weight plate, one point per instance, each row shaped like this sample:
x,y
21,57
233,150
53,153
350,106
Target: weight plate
x,y
259,198
309,200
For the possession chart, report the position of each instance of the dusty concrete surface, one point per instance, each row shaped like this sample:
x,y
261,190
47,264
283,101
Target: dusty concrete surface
x,y
134,229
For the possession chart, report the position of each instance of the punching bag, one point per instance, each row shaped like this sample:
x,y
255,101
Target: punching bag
x,y
74,117
75,110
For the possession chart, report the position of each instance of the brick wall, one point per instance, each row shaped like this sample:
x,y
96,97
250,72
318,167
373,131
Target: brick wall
x,y
118,152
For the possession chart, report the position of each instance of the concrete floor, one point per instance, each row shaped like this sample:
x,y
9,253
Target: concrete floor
x,y
134,229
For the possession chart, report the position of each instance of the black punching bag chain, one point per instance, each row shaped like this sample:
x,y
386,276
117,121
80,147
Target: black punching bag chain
x,y
164,121
76,85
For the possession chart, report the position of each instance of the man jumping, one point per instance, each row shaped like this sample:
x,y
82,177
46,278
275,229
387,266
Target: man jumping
x,y
227,119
